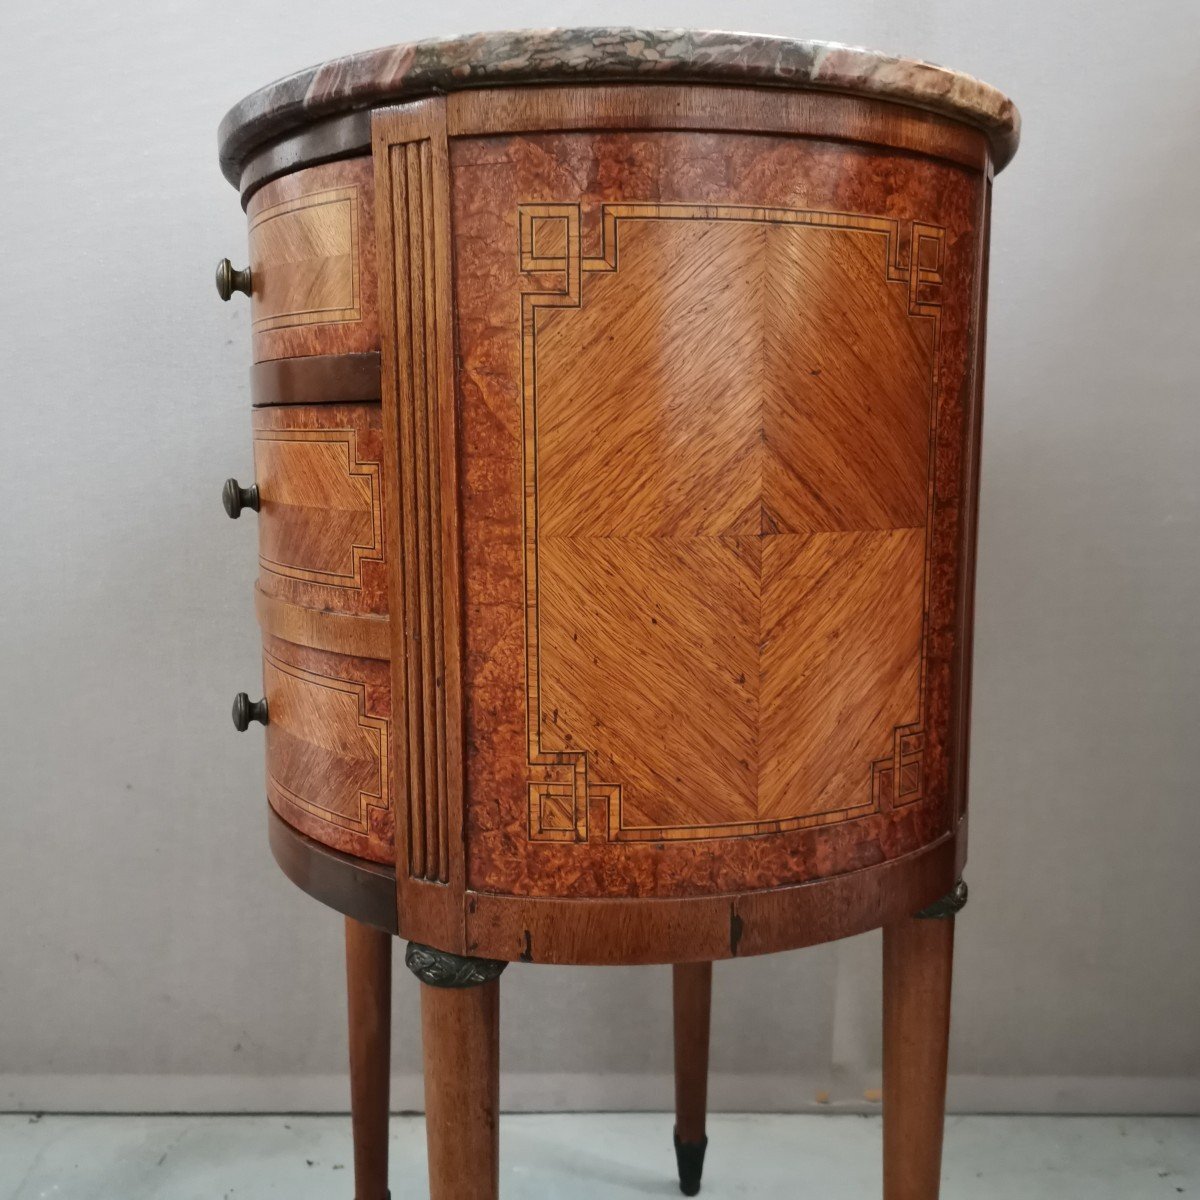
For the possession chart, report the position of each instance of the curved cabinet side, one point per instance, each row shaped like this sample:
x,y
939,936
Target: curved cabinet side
x,y
697,448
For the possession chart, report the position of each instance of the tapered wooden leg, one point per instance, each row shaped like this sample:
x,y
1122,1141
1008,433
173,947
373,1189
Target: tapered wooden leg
x,y
917,958
369,991
460,1028
692,990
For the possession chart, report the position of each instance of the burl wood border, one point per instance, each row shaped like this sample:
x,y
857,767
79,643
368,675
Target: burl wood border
x,y
411,154
893,781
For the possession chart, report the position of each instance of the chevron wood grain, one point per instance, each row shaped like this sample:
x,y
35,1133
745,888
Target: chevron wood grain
x,y
733,416
327,746
312,263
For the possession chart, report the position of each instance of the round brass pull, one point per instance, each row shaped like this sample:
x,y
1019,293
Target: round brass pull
x,y
235,497
246,710
230,279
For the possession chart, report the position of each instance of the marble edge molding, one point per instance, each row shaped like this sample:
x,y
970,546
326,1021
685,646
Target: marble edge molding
x,y
414,69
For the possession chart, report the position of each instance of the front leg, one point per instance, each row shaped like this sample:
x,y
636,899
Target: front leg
x,y
692,994
918,954
369,997
460,1027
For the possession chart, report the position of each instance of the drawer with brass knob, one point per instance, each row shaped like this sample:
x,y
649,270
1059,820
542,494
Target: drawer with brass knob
x,y
328,745
312,273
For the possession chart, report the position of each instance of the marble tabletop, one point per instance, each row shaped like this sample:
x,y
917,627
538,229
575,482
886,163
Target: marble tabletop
x,y
394,73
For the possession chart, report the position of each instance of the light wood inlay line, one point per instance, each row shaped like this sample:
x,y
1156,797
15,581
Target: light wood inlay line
x,y
304,261
340,633
321,516
773,457
324,753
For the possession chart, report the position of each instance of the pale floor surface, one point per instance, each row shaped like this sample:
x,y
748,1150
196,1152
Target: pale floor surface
x,y
585,1157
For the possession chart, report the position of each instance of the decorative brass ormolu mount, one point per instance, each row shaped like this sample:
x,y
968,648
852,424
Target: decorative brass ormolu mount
x,y
439,969
951,904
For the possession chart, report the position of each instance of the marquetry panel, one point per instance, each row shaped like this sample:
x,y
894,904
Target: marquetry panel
x,y
711,507
321,523
312,262
725,524
417,375
327,747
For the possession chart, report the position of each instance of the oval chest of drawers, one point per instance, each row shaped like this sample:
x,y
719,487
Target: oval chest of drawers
x,y
616,437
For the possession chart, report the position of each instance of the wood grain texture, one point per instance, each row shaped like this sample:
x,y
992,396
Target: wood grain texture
x,y
711,476
317,379
328,747
420,426
598,55
687,929
369,996
691,1002
322,529
630,106
460,1029
312,262
917,964
364,637
676,461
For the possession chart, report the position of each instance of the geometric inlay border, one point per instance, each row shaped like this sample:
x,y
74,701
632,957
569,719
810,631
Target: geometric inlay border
x,y
564,803
344,202
368,551
376,727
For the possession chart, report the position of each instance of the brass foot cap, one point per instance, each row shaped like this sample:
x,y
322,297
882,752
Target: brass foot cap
x,y
689,1157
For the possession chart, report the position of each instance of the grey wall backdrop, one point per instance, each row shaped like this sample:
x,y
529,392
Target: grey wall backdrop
x,y
151,955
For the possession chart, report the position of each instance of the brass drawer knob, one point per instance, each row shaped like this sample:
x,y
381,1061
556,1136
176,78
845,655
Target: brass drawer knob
x,y
246,710
230,279
235,497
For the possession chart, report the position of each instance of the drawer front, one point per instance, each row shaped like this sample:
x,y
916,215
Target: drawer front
x,y
328,753
312,262
322,542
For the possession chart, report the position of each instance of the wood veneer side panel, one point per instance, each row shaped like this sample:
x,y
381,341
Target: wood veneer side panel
x,y
413,232
717,109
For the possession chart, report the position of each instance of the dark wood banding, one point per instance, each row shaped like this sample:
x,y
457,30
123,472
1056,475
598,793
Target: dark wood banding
x,y
316,379
321,142
363,890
